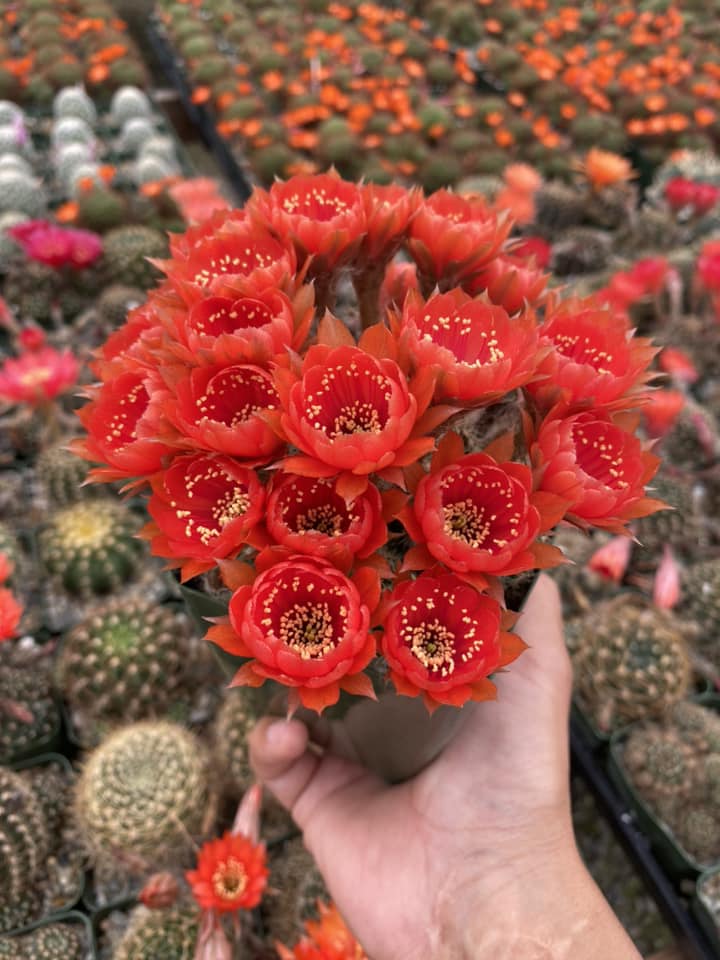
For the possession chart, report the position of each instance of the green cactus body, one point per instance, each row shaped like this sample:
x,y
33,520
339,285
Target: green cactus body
x,y
580,251
101,209
91,547
159,935
234,721
32,289
674,765
61,475
144,794
300,886
30,691
125,662
24,845
700,606
558,207
56,941
115,302
630,661
126,250
681,527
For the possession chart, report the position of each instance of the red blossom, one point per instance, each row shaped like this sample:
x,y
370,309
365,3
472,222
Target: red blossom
x,y
595,360
306,625
114,420
37,376
10,613
238,251
611,560
220,408
510,283
452,238
591,460
442,639
321,214
646,278
160,891
231,874
205,507
308,515
388,212
666,585
32,338
533,249
680,192
661,410
476,515
57,246
479,352
400,278
678,365
353,413
708,266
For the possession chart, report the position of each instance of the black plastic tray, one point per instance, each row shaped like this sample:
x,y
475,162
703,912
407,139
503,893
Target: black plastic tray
x,y
198,115
674,907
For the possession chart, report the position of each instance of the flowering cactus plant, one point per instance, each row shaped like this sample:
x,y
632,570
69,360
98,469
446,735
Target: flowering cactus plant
x,y
352,471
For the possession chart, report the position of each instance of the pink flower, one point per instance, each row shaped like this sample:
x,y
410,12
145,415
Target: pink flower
x,y
38,376
57,246
611,560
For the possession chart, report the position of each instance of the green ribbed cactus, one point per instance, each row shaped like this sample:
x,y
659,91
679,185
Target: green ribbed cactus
x,y
90,548
127,661
159,935
630,661
101,209
673,764
143,795
581,250
24,845
54,941
234,721
115,301
32,289
681,528
700,607
557,208
61,475
27,692
126,250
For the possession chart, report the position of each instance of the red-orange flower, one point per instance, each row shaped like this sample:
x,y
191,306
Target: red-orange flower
x,y
308,515
603,168
595,360
37,376
307,626
239,250
602,468
253,327
221,409
327,939
351,413
205,507
442,639
452,238
479,352
510,282
321,214
388,211
113,419
231,874
475,515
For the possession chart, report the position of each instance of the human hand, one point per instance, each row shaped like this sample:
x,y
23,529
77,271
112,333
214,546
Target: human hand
x,y
474,857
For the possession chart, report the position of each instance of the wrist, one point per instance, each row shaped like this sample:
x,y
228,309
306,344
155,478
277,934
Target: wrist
x,y
543,905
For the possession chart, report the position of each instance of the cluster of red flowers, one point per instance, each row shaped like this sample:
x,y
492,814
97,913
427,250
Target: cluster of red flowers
x,y
309,450
55,246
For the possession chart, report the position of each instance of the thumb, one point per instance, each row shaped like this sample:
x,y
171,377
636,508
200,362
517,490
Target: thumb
x,y
307,781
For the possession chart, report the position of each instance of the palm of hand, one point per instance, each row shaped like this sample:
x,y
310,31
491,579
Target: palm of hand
x,y
499,789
